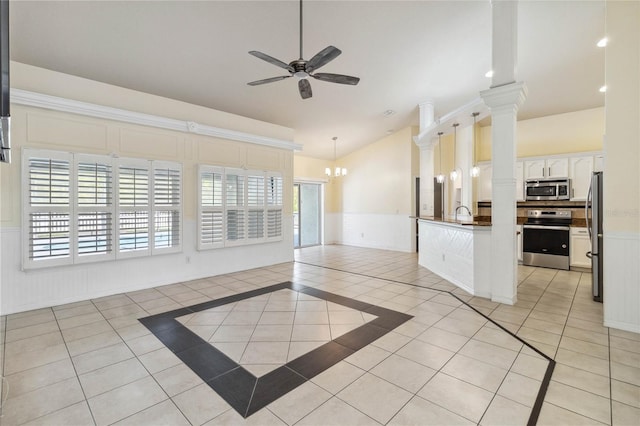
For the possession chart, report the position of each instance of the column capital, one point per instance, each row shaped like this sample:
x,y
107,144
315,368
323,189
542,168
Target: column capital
x,y
509,95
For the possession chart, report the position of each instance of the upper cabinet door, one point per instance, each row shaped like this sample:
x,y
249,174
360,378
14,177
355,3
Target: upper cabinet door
x,y
535,169
581,169
557,168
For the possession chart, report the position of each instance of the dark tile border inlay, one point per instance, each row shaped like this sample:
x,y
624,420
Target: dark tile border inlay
x,y
241,389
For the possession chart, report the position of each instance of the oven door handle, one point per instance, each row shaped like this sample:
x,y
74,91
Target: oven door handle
x,y
551,228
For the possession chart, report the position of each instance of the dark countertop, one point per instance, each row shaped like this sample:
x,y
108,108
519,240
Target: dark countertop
x,y
458,222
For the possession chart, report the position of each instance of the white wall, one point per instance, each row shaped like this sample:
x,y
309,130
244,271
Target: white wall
x,y
43,128
377,197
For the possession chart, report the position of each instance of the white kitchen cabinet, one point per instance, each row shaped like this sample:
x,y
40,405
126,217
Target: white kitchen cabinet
x,y
519,242
557,167
580,171
484,182
535,169
579,245
519,180
546,168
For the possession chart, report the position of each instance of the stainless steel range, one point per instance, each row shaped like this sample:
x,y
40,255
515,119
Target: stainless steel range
x,y
545,240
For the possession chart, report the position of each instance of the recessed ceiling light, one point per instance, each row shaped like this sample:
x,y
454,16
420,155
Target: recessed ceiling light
x,y
489,74
603,89
390,131
603,42
388,112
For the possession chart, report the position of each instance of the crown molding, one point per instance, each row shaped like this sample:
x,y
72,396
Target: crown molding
x,y
55,103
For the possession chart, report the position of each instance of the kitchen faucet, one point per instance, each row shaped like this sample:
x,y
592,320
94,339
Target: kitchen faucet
x,y
455,216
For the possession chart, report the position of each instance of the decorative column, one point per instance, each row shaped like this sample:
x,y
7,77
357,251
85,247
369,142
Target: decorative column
x,y
504,98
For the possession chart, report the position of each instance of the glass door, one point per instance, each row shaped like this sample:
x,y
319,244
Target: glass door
x,y
306,214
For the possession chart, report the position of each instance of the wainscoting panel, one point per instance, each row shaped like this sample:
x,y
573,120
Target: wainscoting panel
x,y
621,292
26,290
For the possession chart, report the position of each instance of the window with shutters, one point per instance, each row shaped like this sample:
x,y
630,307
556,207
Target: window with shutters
x,y
235,206
255,207
134,208
211,208
95,208
48,209
238,207
86,208
167,207
274,207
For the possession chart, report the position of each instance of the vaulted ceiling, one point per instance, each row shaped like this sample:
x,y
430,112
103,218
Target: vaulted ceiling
x,y
403,51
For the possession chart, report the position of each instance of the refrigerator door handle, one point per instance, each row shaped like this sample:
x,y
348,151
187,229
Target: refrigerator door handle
x,y
586,207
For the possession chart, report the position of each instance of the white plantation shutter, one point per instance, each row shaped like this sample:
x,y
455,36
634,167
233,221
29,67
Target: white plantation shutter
x,y
235,206
86,208
211,207
167,206
47,208
274,206
94,208
134,208
255,206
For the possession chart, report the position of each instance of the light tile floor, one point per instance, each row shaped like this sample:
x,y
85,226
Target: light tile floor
x,y
92,362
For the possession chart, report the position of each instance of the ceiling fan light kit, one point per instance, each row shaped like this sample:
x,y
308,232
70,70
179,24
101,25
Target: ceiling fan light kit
x,y
302,69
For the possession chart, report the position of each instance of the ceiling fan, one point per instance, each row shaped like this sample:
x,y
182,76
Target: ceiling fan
x,y
302,69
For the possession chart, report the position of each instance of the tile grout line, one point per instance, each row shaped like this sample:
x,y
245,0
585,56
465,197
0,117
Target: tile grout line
x,y
77,376
550,367
137,359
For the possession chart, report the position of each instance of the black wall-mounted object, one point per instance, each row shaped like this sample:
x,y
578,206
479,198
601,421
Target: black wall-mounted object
x,y
5,116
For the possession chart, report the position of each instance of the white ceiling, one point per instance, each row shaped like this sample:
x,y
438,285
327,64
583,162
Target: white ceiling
x,y
403,51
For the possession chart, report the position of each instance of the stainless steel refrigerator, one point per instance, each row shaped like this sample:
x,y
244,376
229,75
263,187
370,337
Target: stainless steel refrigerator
x,y
593,215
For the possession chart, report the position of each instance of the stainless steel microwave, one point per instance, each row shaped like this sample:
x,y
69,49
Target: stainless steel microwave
x,y
548,189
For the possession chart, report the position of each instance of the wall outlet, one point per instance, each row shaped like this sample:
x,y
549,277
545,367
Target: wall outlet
x,y
362,235
187,259
443,257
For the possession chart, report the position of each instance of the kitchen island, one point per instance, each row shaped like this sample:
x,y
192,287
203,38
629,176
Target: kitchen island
x,y
458,251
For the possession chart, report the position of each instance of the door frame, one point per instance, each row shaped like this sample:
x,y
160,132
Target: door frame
x,y
321,183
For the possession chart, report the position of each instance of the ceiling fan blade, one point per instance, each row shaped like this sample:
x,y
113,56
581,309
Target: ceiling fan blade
x,y
268,80
305,88
336,78
271,60
323,57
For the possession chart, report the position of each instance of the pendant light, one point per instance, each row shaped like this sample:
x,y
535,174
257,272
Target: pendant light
x,y
440,177
475,170
454,173
338,171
